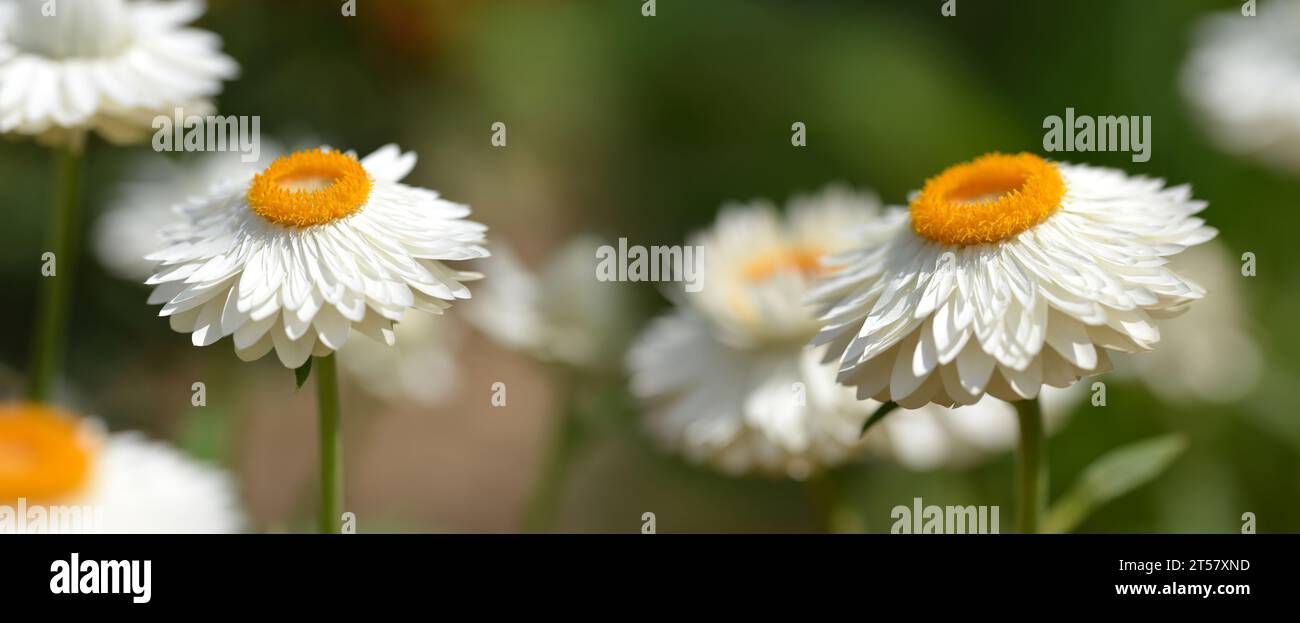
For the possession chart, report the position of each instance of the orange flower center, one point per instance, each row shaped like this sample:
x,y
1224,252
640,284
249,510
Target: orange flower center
x,y
793,258
44,453
311,187
989,199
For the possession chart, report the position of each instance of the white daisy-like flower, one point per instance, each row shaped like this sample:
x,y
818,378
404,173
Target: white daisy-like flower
x,y
562,313
109,66
420,367
134,224
1243,77
1210,355
1009,272
86,480
317,244
726,375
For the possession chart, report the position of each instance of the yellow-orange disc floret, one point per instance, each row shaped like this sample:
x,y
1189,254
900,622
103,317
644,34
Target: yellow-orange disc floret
x,y
44,453
802,259
989,199
311,187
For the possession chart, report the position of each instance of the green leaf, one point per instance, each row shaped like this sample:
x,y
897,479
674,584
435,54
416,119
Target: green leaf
x,y
880,414
1111,476
301,373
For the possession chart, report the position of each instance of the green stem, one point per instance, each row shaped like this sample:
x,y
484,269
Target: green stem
x,y
331,443
49,337
544,502
1031,467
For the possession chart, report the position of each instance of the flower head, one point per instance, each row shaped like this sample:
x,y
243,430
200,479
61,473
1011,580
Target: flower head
x,y
726,375
317,244
1008,273
103,65
52,458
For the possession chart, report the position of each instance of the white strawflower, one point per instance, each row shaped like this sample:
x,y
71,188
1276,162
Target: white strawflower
x,y
420,367
725,375
1243,77
109,66
1009,273
317,244
119,483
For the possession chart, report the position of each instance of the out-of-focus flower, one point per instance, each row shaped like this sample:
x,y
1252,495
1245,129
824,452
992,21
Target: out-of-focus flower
x,y
109,66
561,314
1010,272
317,244
1243,77
86,480
726,375
1210,355
135,224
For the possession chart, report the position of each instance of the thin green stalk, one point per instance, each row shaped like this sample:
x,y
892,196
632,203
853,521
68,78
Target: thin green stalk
x,y
49,337
548,492
331,443
1031,467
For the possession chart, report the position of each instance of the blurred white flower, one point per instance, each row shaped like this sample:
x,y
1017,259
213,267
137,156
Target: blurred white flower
x,y
153,197
1243,77
561,314
1208,353
131,485
104,65
725,376
317,244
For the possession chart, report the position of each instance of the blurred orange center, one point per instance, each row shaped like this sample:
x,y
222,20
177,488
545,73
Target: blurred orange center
x,y
801,259
44,453
311,187
989,199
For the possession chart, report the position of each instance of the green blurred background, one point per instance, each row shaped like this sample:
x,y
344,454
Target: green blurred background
x,y
633,126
